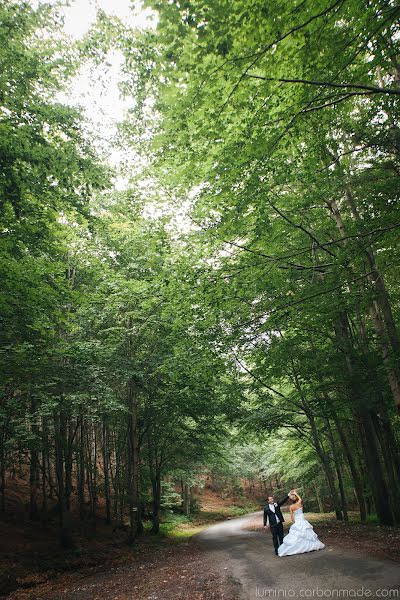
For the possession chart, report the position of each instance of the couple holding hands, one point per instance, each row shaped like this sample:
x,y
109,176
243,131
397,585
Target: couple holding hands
x,y
301,537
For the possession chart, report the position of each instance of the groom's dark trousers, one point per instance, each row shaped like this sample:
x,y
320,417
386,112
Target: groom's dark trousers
x,y
276,528
277,534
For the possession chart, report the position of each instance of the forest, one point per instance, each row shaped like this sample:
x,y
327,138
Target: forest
x,y
233,309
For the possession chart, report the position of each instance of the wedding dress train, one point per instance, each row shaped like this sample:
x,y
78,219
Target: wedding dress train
x,y
301,537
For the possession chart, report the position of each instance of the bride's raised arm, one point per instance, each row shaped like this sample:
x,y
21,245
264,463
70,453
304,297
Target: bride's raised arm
x,y
298,497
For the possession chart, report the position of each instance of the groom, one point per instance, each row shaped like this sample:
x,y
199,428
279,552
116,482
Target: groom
x,y
272,511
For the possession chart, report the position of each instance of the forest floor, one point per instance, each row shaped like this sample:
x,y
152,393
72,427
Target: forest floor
x,y
33,565
173,565
162,569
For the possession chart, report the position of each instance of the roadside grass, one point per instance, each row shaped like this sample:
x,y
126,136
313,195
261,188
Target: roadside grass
x,y
176,527
354,518
181,528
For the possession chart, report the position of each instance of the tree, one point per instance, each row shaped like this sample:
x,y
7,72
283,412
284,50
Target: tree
x,y
281,128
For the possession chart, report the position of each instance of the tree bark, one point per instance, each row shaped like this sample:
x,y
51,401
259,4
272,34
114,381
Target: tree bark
x,y
3,471
133,461
187,500
106,473
336,459
362,413
318,496
59,431
326,465
394,488
81,469
156,489
357,482
155,478
33,463
324,458
43,464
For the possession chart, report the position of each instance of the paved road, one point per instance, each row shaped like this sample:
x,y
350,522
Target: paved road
x,y
328,573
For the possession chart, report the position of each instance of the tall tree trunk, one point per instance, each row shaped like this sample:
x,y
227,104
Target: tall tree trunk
x,y
43,464
119,483
69,463
49,474
155,478
3,471
81,469
387,358
182,495
156,489
379,487
336,459
106,473
34,463
91,470
326,465
133,461
324,458
187,500
375,472
357,482
115,481
394,488
59,432
94,474
318,496
392,445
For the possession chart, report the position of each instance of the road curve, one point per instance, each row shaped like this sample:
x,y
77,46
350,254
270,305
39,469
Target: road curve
x,y
330,573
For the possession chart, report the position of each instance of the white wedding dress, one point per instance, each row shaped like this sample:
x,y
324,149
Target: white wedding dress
x,y
301,537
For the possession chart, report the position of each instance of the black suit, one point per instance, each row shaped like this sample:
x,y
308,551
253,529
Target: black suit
x,y
276,528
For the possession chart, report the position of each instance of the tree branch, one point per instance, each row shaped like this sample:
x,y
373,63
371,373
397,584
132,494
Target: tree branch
x,y
335,102
257,55
271,389
301,300
358,86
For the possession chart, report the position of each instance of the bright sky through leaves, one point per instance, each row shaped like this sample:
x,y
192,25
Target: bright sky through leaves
x,y
96,89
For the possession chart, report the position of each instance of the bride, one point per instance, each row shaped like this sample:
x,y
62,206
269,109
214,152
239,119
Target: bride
x,y
301,537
